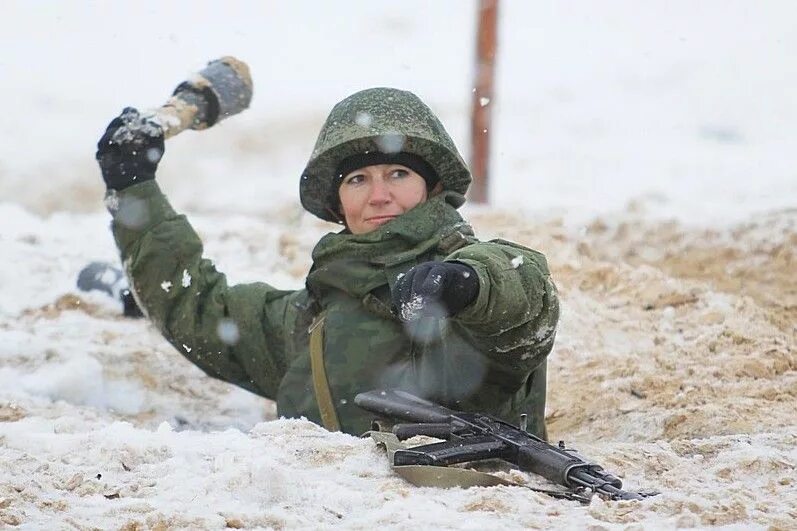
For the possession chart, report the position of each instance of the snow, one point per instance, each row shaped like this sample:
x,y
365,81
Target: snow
x,y
228,332
644,149
411,309
185,281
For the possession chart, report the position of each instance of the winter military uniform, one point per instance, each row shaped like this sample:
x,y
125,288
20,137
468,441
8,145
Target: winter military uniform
x,y
314,349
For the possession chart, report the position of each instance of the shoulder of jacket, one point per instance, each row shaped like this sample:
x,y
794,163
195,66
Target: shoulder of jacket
x,y
301,312
305,305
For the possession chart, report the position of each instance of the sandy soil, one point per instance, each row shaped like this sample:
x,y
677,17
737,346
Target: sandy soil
x,y
675,367
680,338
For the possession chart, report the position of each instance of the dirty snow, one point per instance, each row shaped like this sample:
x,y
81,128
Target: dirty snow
x,y
645,150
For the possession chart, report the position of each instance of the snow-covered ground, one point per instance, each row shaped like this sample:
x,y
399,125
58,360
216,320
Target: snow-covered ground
x,y
646,148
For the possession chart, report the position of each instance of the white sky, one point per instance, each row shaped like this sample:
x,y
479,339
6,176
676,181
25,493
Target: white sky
x,y
686,105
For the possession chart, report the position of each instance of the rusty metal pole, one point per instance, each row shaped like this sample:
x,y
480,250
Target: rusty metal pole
x,y
486,40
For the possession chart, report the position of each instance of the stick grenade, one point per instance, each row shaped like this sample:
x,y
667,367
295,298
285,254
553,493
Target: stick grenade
x,y
482,98
223,88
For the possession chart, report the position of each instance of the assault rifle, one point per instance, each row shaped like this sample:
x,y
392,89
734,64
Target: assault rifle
x,y
476,436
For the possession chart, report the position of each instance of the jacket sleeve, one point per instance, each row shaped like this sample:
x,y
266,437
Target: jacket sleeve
x,y
513,320
234,333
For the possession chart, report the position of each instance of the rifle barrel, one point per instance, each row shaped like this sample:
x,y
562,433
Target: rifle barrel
x,y
596,484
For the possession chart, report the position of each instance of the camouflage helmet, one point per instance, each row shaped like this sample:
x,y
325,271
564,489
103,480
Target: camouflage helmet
x,y
385,120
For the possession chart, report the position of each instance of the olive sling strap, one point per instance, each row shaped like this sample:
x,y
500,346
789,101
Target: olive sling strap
x,y
323,395
433,476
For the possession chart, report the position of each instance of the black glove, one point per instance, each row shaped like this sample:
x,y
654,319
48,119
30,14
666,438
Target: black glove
x,y
130,149
435,289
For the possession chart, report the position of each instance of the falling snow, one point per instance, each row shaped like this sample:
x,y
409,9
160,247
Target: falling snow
x,y
363,119
391,142
674,360
186,280
228,333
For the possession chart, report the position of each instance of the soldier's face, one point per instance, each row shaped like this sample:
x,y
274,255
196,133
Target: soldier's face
x,y
373,195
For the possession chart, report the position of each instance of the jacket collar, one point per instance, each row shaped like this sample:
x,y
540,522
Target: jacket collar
x,y
359,263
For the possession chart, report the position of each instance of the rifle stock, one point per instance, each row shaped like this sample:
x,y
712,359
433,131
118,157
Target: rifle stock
x,y
396,404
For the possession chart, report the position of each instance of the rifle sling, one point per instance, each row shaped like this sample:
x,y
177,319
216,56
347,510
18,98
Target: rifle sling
x,y
323,395
445,477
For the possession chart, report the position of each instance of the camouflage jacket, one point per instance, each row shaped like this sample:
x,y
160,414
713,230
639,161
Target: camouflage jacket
x,y
491,357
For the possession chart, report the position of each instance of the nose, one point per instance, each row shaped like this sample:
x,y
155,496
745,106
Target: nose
x,y
380,192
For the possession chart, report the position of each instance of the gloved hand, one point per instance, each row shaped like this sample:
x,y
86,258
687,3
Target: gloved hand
x,y
435,289
130,149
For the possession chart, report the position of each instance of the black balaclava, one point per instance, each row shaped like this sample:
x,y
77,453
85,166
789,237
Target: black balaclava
x,y
413,162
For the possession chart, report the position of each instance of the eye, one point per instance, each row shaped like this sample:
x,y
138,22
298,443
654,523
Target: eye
x,y
356,178
399,173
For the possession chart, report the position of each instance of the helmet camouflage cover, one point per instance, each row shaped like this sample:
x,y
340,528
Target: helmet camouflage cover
x,y
385,120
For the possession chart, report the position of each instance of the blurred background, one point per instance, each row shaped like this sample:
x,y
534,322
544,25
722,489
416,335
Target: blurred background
x,y
674,108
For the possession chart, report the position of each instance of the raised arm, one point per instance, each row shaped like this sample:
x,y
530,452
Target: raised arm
x,y
234,333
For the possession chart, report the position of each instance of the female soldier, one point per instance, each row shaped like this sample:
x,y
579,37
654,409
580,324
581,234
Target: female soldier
x,y
404,297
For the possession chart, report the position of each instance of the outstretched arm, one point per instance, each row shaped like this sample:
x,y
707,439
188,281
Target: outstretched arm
x,y
513,319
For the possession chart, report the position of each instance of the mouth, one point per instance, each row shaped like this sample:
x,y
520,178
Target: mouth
x,y
380,219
